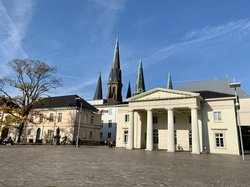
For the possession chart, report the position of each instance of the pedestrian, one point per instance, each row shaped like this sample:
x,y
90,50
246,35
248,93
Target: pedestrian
x,y
111,143
64,140
79,142
108,142
8,141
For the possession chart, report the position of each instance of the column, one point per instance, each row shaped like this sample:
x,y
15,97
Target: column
x,y
195,132
130,143
171,143
149,143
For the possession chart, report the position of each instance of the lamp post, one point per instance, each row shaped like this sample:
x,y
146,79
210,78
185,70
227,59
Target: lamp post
x,y
237,106
79,122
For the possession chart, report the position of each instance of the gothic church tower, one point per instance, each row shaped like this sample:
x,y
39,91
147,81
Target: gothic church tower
x,y
115,78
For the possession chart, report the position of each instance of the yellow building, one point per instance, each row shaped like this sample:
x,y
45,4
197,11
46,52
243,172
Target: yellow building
x,y
56,117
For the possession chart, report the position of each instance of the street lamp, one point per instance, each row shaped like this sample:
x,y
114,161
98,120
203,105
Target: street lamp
x,y
237,106
78,129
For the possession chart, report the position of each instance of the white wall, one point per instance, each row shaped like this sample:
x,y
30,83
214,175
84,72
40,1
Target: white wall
x,y
108,113
227,126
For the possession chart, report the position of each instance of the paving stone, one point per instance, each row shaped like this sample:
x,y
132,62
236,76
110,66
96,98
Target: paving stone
x,y
58,166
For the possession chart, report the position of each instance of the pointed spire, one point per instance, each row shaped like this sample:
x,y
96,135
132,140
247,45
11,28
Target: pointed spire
x,y
129,91
115,72
170,84
115,77
140,85
98,90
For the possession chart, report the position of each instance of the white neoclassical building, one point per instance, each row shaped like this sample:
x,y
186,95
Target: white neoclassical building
x,y
176,120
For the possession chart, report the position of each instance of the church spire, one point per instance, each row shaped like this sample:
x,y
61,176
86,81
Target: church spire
x,y
115,72
140,85
129,91
115,77
98,90
170,84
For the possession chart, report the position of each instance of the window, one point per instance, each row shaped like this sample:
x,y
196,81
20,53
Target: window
x,y
29,131
101,134
190,119
59,117
87,118
102,124
219,138
41,118
84,134
155,136
174,120
90,134
92,120
217,116
126,118
109,134
31,119
155,119
110,124
110,111
51,117
125,136
50,135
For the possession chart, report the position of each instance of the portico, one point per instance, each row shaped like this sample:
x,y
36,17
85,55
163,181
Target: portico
x,y
163,119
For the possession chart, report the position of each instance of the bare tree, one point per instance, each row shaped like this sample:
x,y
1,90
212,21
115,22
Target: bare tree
x,y
31,79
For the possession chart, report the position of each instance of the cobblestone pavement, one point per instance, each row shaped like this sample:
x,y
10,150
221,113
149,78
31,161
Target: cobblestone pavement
x,y
57,166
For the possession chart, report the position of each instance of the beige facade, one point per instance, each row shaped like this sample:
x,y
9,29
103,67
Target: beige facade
x,y
226,125
64,121
175,120
67,120
245,111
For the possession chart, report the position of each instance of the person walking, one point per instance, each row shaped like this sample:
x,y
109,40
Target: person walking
x,y
64,140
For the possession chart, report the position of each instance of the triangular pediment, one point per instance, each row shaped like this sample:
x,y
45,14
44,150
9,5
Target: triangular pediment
x,y
161,94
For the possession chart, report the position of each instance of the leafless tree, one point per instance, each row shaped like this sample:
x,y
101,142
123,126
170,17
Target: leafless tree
x,y
31,79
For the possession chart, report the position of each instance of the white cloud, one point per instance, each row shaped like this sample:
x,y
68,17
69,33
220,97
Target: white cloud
x,y
79,84
104,22
13,26
221,32
234,28
101,31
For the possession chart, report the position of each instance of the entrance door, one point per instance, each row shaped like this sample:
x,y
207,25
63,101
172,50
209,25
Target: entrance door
x,y
38,132
4,133
125,139
190,140
155,138
58,136
246,138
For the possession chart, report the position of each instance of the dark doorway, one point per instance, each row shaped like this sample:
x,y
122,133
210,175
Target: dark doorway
x,y
38,132
246,138
4,133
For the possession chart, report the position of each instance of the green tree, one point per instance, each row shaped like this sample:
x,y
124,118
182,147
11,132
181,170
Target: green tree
x,y
31,79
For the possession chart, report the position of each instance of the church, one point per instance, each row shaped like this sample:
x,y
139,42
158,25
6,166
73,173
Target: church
x,y
194,120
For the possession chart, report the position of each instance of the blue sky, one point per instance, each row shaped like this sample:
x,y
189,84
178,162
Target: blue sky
x,y
194,40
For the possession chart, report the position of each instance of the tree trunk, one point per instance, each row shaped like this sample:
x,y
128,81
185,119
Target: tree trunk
x,y
20,129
